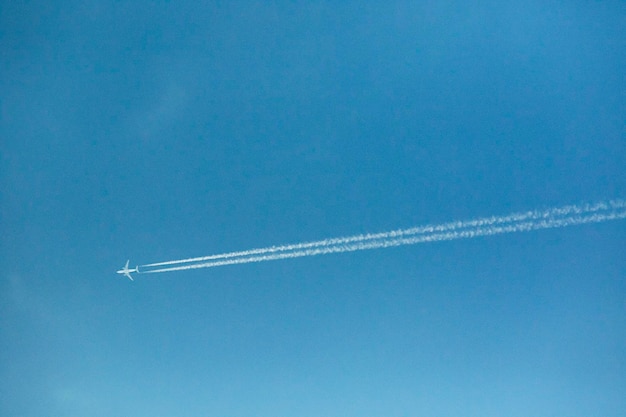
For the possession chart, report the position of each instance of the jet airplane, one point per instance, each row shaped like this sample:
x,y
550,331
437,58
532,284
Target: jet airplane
x,y
127,271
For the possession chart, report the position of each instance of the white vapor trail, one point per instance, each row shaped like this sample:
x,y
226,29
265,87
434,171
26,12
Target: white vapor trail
x,y
516,217
521,222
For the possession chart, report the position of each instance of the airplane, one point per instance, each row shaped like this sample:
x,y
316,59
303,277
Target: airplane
x,y
126,271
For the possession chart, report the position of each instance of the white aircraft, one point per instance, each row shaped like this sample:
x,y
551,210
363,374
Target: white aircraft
x,y
126,270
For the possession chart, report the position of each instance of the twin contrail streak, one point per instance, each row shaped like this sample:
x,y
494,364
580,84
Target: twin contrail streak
x,y
520,222
561,211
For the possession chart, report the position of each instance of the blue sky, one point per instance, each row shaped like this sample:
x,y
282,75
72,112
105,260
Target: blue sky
x,y
164,130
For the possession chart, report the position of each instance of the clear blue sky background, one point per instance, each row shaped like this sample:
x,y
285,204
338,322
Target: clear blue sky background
x,y
157,130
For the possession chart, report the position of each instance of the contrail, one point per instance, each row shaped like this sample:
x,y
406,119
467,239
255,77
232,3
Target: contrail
x,y
494,220
532,220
